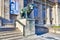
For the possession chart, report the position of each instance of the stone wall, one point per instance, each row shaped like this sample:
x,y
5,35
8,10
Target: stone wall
x,y
21,5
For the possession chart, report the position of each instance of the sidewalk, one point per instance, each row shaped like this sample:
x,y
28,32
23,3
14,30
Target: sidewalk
x,y
47,36
33,37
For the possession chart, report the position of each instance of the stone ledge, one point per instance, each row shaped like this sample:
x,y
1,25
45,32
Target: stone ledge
x,y
52,30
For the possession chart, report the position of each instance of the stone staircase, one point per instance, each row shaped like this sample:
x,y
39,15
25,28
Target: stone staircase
x,y
11,35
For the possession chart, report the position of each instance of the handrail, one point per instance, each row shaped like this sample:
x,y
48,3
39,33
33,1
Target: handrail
x,y
20,23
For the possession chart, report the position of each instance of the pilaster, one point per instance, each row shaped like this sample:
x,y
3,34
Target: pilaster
x,y
2,9
6,9
48,16
53,15
57,23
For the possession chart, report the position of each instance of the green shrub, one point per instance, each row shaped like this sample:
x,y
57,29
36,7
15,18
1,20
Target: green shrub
x,y
56,26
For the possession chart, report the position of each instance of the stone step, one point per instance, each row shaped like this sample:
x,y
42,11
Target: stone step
x,y
8,23
8,32
13,38
10,36
7,29
11,30
11,33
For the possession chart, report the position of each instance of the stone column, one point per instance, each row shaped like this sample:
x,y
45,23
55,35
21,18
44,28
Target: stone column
x,y
53,15
57,23
6,9
40,14
2,9
0,12
48,16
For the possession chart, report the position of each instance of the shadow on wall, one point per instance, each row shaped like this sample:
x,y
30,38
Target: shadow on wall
x,y
5,20
39,30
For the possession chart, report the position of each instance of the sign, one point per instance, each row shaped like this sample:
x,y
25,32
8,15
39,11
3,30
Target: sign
x,y
14,6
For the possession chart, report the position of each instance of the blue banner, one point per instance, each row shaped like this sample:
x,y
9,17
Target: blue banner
x,y
14,7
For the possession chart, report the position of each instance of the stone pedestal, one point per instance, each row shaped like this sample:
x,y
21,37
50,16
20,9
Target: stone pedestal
x,y
26,26
29,28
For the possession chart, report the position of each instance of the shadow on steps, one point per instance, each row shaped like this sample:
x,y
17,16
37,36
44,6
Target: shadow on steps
x,y
7,29
41,30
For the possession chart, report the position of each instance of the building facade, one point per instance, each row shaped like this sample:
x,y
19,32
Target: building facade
x,y
46,12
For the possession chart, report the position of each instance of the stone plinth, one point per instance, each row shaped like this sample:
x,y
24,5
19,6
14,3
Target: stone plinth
x,y
26,26
30,27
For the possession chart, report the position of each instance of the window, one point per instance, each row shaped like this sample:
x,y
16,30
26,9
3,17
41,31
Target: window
x,y
35,11
14,6
25,3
